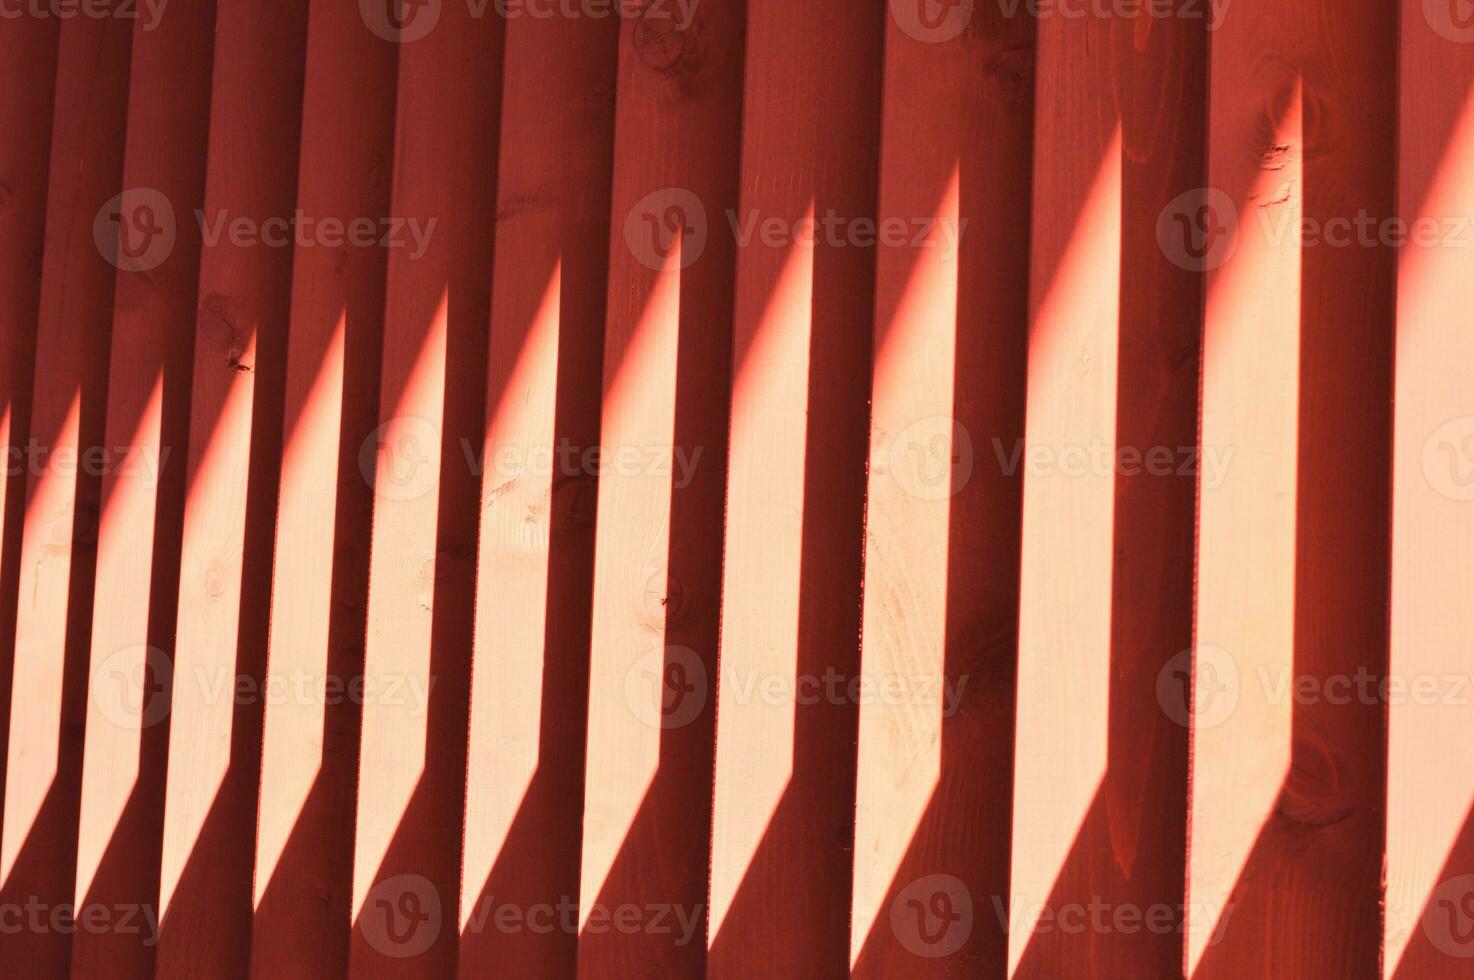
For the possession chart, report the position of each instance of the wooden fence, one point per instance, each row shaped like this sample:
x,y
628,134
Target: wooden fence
x,y
742,488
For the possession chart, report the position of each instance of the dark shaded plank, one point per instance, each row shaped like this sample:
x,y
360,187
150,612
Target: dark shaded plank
x,y
667,362
59,534
935,787
243,309
1106,603
309,765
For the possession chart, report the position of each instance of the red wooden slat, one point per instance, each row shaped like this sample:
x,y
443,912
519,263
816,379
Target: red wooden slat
x,y
524,776
1106,602
412,764
234,451
658,572
782,831
136,598
27,103
309,769
54,608
941,569
1288,792
1430,779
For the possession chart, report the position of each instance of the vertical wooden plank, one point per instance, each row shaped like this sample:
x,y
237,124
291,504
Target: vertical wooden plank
x,y
155,243
667,365
54,607
1430,778
234,452
412,764
309,766
783,812
1288,792
27,104
1106,601
934,790
524,813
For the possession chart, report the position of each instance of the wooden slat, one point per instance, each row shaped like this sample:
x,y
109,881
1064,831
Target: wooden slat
x,y
1430,779
782,832
1106,602
941,568
136,597
309,767
412,764
667,364
234,450
54,608
1288,791
27,104
525,773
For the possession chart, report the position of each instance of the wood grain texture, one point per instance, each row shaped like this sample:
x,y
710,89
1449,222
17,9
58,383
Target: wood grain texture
x,y
1288,792
667,364
783,811
1106,601
59,534
143,472
524,814
244,306
309,767
935,782
432,399
1430,792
